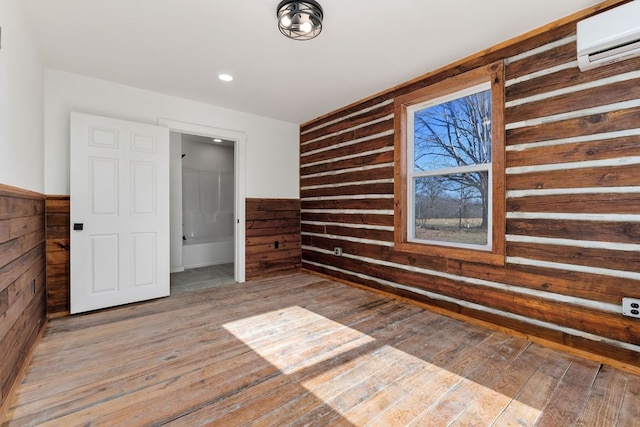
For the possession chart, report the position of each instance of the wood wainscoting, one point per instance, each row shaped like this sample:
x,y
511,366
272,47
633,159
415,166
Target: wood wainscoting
x,y
572,199
272,236
22,279
267,221
58,209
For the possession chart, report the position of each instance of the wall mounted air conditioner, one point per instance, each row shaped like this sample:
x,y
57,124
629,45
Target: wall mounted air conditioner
x,y
609,37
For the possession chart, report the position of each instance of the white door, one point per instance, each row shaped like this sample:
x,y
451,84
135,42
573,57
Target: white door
x,y
119,212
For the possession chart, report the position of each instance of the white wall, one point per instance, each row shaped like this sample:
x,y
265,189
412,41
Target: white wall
x,y
21,102
272,145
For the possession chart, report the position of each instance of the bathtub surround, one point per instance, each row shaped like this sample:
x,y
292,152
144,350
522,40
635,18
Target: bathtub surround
x,y
207,251
207,202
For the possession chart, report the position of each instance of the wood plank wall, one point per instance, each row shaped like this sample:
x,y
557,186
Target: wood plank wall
x,y
22,279
269,221
58,211
572,200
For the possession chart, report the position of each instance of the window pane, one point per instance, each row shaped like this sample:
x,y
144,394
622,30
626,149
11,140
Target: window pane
x,y
452,208
454,133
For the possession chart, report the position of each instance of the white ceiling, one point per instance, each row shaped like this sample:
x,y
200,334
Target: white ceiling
x,y
179,47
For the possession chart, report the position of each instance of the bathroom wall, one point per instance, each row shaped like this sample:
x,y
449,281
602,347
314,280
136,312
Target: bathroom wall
x,y
207,190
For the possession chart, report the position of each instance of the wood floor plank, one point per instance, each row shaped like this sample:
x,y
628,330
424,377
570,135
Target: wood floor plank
x,y
405,359
500,393
630,411
526,406
444,371
302,350
569,398
467,389
605,398
390,394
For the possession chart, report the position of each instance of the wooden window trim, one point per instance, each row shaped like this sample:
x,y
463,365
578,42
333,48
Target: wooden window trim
x,y
495,74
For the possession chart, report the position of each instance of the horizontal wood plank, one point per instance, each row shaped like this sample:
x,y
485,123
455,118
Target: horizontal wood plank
x,y
587,125
349,177
603,231
354,162
346,190
360,133
359,147
577,152
603,95
588,257
369,219
567,77
541,61
350,122
374,204
600,177
599,203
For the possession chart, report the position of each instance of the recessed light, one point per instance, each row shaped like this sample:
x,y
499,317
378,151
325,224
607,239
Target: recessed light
x,y
217,140
225,77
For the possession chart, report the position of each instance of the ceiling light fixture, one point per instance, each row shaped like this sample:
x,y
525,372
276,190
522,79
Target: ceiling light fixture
x,y
225,77
300,19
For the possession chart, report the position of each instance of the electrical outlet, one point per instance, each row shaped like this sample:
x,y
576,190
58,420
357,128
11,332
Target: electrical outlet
x,y
631,307
337,251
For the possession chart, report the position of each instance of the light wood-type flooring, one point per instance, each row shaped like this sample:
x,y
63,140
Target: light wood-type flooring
x,y
302,350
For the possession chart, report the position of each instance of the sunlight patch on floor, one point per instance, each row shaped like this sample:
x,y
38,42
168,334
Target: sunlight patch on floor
x,y
293,338
353,380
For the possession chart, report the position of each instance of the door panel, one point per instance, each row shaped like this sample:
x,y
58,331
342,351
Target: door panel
x,y
143,189
144,246
120,195
103,178
104,263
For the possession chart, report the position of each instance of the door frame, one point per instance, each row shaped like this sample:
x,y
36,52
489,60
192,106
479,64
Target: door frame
x,y
239,149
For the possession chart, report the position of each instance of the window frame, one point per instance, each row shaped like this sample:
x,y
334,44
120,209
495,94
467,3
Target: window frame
x,y
405,105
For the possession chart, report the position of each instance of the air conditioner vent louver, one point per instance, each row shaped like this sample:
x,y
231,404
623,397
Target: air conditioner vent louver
x,y
609,37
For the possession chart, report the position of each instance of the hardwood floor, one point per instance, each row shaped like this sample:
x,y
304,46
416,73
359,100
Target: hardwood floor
x,y
301,350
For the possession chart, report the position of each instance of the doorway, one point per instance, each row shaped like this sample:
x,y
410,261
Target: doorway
x,y
207,205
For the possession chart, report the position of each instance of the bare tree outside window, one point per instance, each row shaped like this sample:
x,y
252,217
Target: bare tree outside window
x,y
451,169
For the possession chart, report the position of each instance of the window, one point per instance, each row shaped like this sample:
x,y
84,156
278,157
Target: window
x,y
450,168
